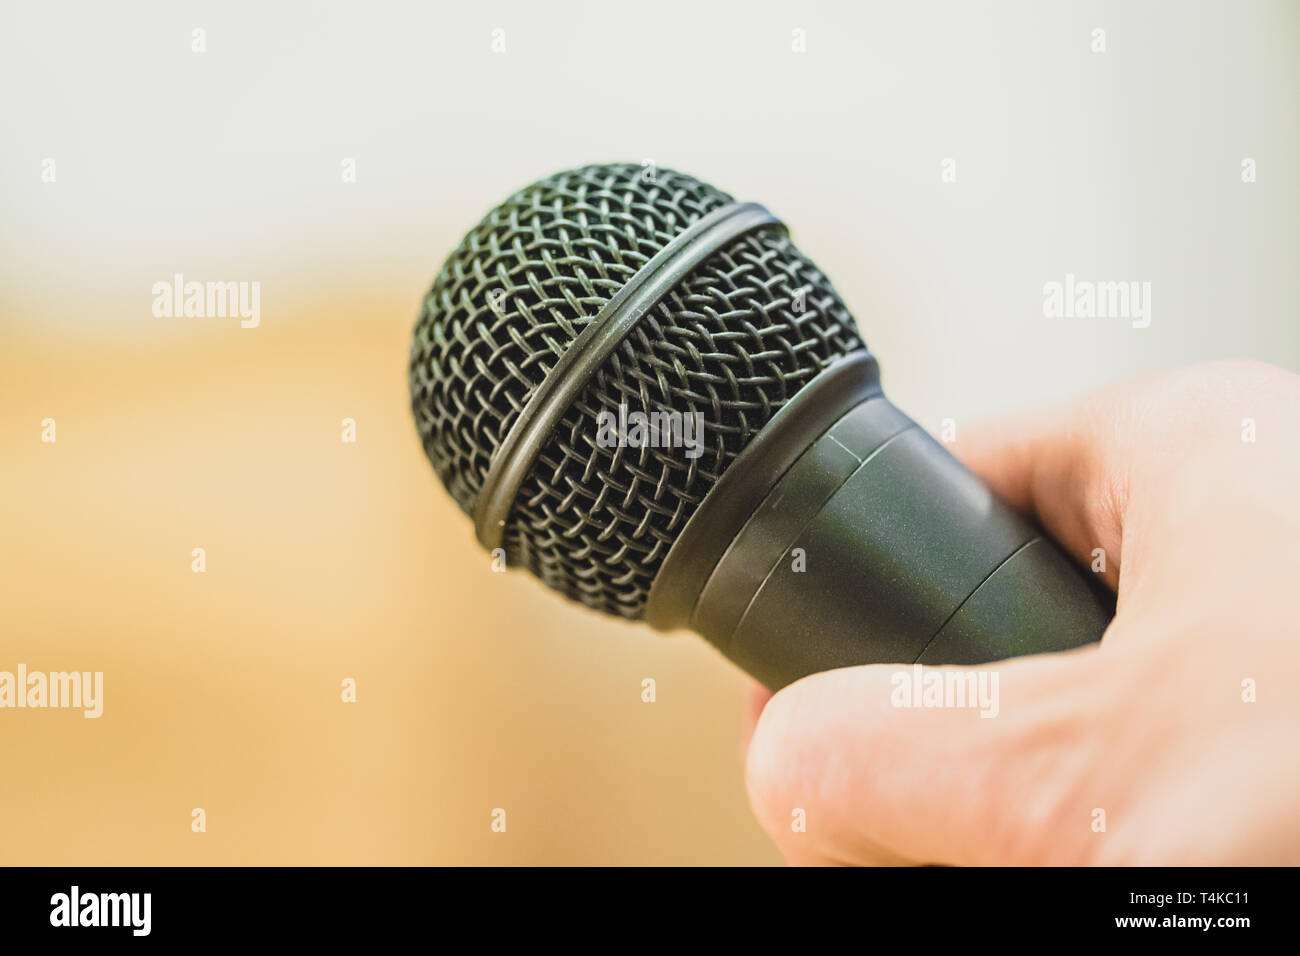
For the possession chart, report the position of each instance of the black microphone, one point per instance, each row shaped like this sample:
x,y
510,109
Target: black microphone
x,y
641,391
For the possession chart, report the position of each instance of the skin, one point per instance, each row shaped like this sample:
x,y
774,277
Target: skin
x,y
1201,531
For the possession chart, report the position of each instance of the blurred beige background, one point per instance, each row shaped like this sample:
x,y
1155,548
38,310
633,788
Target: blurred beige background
x,y
328,560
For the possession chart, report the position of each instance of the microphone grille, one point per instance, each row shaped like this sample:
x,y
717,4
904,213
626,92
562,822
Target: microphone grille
x,y
734,340
520,288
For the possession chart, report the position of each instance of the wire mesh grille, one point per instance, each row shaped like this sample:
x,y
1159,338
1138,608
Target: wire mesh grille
x,y
517,291
735,340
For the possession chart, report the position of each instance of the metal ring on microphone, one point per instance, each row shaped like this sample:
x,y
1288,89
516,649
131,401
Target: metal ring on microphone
x,y
561,386
709,532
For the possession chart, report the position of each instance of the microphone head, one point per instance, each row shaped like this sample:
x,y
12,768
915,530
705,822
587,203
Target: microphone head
x,y
734,339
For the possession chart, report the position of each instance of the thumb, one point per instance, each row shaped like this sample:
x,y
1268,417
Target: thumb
x,y
850,767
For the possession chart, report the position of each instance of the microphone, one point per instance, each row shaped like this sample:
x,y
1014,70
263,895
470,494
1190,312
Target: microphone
x,y
642,392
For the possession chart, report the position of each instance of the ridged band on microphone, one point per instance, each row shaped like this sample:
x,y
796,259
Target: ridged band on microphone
x,y
560,388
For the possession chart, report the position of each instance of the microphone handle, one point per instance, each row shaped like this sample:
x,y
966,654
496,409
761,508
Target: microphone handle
x,y
877,546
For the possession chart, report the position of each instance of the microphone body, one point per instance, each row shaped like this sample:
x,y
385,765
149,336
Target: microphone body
x,y
873,545
816,527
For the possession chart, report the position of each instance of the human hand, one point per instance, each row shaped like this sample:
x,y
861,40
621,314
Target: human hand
x,y
1190,483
